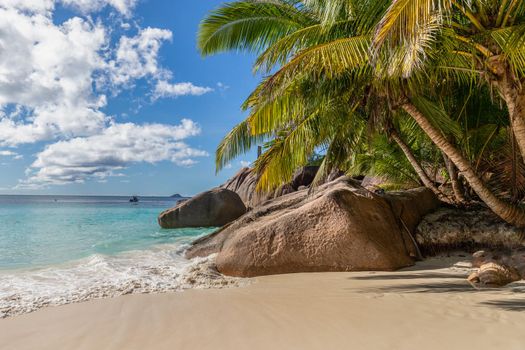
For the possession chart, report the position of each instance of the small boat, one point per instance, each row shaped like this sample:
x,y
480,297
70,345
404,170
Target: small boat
x,y
134,199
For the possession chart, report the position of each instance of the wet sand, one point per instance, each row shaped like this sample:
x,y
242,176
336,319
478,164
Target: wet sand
x,y
429,306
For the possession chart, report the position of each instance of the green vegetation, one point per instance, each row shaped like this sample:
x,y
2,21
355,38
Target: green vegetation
x,y
406,90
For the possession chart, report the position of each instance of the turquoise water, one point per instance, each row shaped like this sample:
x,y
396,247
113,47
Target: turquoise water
x,y
37,231
58,250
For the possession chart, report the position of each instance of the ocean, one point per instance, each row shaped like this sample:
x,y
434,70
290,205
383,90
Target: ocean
x,y
60,249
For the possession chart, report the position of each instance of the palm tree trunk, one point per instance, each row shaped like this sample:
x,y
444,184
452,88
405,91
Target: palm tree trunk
x,y
515,99
423,176
503,209
457,187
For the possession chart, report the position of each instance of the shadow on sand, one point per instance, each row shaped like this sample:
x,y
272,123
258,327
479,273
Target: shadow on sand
x,y
450,283
405,276
507,305
429,287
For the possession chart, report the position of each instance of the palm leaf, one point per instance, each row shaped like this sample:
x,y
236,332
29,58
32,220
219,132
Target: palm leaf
x,y
249,25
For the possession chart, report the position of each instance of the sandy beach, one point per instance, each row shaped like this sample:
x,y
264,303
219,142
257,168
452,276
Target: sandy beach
x,y
429,305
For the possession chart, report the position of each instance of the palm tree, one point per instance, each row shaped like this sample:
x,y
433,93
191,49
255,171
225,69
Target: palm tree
x,y
318,55
508,212
293,102
484,39
422,174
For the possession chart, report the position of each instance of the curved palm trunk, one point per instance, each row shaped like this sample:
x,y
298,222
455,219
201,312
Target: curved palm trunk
x,y
503,209
421,173
515,99
457,187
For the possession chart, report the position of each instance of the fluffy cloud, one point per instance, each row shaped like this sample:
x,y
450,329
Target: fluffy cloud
x,y
54,79
123,6
165,89
6,153
35,6
136,57
55,90
116,148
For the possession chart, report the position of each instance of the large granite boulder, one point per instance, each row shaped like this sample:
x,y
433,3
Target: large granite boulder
x,y
244,183
216,207
339,227
411,206
373,182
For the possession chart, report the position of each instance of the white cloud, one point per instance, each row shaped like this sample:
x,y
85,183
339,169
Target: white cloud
x,y
222,86
125,7
57,74
53,84
86,6
6,153
165,89
245,163
55,90
136,57
34,6
117,147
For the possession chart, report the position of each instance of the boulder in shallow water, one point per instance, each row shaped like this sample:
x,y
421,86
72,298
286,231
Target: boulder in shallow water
x,y
216,207
339,227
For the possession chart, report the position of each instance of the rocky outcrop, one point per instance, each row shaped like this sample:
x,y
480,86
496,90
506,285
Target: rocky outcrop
x,y
410,206
244,183
217,207
304,177
339,227
335,174
467,229
373,182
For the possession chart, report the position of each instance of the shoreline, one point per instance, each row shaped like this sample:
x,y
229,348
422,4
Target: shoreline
x,y
429,304
159,269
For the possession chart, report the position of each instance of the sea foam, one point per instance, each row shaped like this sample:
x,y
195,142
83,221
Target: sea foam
x,y
156,270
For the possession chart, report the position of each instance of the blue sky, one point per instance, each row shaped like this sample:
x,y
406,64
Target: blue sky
x,y
114,99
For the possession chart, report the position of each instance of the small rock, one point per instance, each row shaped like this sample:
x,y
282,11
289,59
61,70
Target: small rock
x,y
479,258
473,277
492,274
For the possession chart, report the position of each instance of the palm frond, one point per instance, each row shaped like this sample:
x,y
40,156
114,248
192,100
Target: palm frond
x,y
238,141
438,117
326,61
249,25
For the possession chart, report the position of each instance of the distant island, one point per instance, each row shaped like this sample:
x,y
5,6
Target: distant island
x,y
176,195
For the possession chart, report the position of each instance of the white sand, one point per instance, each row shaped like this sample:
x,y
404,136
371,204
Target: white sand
x,y
425,307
